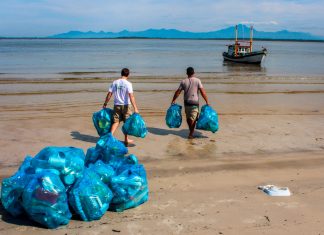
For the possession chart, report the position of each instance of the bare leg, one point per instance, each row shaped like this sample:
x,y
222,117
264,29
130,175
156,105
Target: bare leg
x,y
192,125
114,127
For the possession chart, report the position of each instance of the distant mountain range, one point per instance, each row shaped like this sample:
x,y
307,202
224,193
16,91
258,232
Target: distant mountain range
x,y
226,33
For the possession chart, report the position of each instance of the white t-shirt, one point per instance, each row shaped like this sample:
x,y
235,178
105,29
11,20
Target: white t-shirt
x,y
121,89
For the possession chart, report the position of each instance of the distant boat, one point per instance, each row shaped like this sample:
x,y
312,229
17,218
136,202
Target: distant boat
x,y
241,51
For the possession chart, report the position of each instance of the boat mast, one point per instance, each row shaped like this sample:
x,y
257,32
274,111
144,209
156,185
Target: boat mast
x,y
251,37
236,42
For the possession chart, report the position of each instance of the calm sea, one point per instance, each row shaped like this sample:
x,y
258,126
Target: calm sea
x,y
57,58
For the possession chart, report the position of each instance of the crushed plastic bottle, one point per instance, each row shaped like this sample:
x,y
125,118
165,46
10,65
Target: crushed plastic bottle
x,y
102,121
135,126
45,201
130,187
12,188
90,197
173,116
208,119
68,161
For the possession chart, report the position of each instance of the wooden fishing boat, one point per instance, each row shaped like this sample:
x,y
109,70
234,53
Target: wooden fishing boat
x,y
241,51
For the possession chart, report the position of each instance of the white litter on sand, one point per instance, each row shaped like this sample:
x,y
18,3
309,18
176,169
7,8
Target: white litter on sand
x,y
273,190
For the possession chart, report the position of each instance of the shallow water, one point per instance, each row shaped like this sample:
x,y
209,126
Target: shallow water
x,y
103,58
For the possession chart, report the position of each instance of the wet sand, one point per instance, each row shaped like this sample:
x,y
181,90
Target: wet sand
x,y
271,132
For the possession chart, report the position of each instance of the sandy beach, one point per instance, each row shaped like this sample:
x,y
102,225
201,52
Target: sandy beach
x,y
271,132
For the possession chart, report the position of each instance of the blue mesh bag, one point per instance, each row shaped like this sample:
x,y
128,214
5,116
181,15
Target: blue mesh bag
x,y
102,120
135,126
68,161
45,201
12,188
130,188
208,119
90,197
109,146
173,116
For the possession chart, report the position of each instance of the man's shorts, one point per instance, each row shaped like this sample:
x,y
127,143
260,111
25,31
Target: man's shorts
x,y
121,112
192,112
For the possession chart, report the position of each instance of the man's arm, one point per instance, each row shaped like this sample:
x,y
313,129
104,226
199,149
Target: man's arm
x,y
176,95
204,95
132,99
109,94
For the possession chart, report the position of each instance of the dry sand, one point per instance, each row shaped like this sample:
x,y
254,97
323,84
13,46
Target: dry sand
x,y
271,132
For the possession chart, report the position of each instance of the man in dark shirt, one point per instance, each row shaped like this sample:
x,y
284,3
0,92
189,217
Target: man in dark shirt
x,y
191,87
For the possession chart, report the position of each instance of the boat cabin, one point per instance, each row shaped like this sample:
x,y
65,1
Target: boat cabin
x,y
242,48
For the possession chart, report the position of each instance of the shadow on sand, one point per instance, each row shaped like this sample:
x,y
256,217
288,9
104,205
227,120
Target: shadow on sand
x,y
83,137
181,133
91,139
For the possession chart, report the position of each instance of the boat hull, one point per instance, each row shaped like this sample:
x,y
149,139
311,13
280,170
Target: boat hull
x,y
250,58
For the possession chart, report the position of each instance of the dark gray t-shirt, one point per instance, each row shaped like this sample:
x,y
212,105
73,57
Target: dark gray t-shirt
x,y
191,86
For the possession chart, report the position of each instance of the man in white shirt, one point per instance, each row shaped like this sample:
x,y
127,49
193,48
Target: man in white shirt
x,y
122,90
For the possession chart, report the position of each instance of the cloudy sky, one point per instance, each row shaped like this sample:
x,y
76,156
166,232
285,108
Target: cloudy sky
x,y
48,17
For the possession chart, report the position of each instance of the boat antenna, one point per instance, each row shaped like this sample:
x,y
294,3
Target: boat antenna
x,y
251,37
236,42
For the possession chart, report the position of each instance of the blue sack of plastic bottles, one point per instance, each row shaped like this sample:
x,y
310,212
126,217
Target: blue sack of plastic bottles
x,y
130,188
12,188
68,161
45,201
116,162
208,119
173,116
102,121
135,126
90,197
103,170
108,146
93,154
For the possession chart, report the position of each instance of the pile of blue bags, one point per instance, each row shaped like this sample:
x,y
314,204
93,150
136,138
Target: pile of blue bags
x,y
208,119
59,178
173,116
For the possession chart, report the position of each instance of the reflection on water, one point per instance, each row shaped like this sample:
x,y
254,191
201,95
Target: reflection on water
x,y
237,68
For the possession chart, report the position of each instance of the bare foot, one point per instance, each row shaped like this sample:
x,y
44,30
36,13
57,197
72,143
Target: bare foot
x,y
129,141
190,137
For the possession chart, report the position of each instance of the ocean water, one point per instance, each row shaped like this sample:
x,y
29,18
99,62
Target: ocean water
x,y
100,58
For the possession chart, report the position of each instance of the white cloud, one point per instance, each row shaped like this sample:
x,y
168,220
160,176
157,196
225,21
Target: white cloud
x,y
46,17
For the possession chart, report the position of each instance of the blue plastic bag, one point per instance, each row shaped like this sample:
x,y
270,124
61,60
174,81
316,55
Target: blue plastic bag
x,y
90,197
109,146
116,162
68,161
12,188
135,126
208,119
104,171
173,116
45,201
93,154
103,120
130,187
